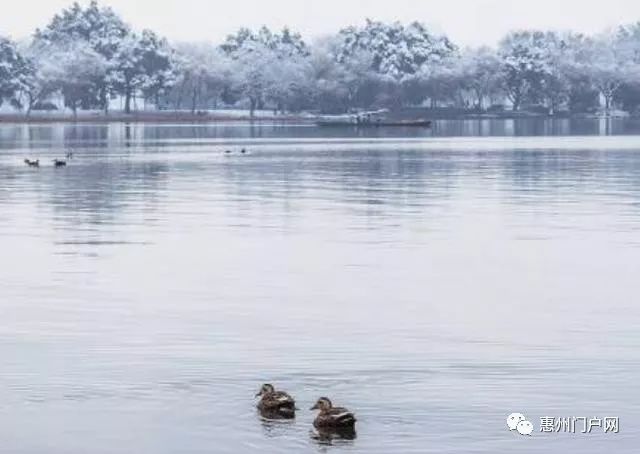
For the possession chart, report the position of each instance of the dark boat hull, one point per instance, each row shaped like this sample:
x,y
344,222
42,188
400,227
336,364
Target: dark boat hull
x,y
376,124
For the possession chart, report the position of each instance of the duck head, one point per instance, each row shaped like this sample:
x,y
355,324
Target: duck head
x,y
323,404
265,389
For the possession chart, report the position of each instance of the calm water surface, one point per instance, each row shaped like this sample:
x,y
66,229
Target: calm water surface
x,y
432,282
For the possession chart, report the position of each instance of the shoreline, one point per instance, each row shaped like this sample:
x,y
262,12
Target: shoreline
x,y
201,118
149,117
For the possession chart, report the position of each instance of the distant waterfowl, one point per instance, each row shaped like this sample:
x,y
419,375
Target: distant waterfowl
x,y
32,163
59,162
275,404
331,417
227,151
243,151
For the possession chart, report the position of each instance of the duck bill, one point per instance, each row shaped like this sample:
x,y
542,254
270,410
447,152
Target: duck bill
x,y
315,407
258,394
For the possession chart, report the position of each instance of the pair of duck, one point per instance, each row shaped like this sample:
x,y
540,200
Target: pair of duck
x,y
56,162
281,404
36,162
63,162
242,151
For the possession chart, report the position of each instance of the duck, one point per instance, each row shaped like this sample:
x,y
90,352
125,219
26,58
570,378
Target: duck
x,y
227,151
59,162
275,404
32,163
331,417
243,151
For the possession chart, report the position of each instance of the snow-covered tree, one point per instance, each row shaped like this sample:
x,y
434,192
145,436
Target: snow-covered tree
x,y
436,83
249,72
397,50
522,54
267,66
330,93
42,79
287,85
141,64
98,27
78,73
284,44
480,73
608,62
369,66
203,76
14,72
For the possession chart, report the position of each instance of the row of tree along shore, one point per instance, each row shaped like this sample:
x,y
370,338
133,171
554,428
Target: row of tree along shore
x,y
87,63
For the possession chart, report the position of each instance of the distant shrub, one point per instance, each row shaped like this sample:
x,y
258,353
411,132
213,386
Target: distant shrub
x,y
45,105
494,108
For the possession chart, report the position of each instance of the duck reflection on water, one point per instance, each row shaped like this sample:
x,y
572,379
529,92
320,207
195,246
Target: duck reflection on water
x,y
330,435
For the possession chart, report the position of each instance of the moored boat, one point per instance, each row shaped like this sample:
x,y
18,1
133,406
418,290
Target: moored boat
x,y
373,119
375,123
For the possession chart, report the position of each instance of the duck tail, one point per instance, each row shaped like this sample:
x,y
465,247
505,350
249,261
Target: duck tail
x,y
347,419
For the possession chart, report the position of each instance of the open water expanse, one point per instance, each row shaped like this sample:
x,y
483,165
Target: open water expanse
x,y
431,281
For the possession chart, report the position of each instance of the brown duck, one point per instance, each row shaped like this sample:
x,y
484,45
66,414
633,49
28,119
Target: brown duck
x,y
331,417
275,404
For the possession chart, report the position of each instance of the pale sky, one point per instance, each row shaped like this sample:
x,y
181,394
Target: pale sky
x,y
467,22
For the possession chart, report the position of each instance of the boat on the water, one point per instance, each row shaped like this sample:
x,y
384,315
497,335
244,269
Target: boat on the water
x,y
375,119
375,124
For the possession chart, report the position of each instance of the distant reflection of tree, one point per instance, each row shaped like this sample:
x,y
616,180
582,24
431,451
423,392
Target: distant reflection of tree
x,y
375,183
566,173
100,190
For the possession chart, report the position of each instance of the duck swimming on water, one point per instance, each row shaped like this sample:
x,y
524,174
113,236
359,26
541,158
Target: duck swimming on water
x,y
331,417
275,404
59,162
32,162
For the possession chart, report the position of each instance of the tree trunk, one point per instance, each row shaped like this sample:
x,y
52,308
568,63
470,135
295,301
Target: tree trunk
x,y
127,101
480,99
105,101
516,103
194,100
30,104
607,103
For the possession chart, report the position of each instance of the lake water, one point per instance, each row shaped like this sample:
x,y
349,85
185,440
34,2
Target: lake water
x,y
433,282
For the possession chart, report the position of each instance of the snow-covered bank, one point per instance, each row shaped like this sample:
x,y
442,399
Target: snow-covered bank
x,y
160,116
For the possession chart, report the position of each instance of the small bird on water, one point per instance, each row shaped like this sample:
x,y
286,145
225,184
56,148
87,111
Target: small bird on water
x,y
32,162
331,417
59,162
275,404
